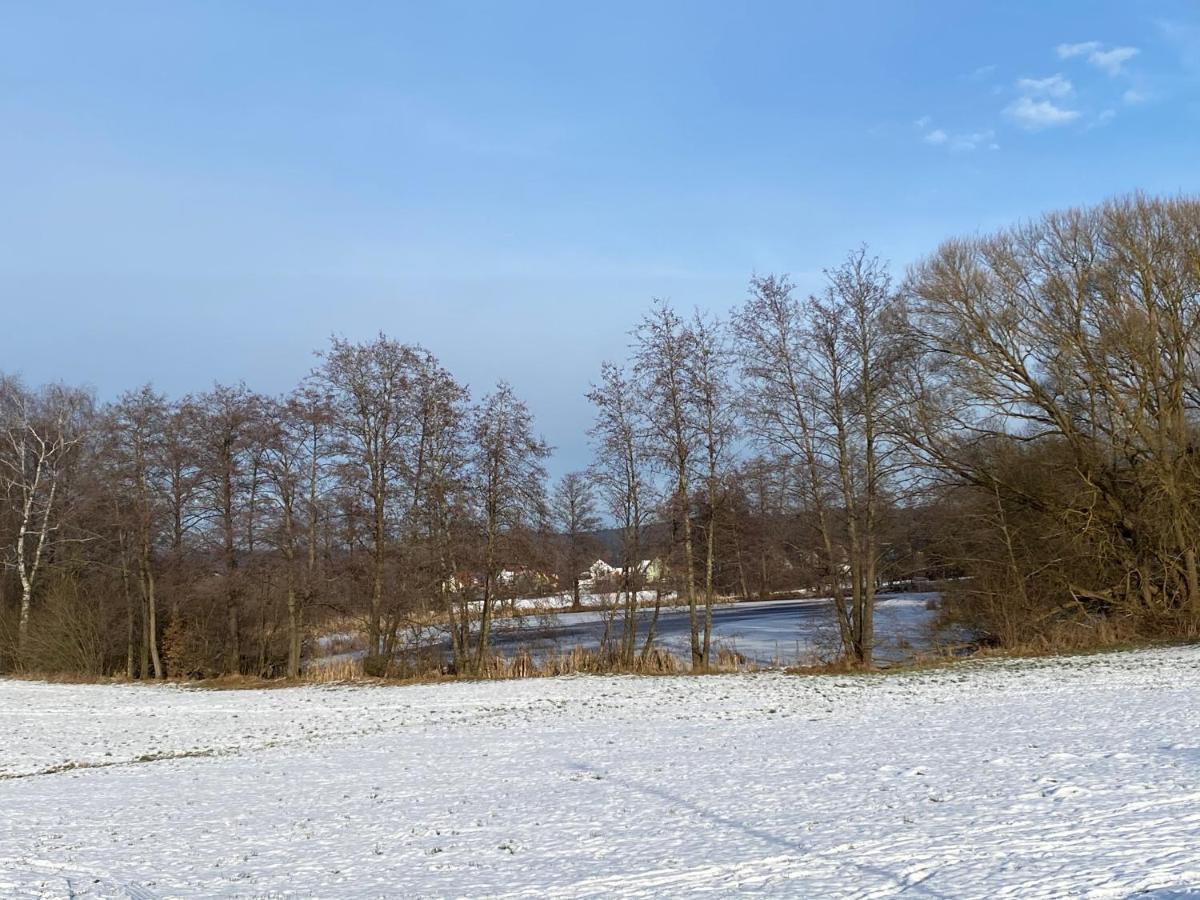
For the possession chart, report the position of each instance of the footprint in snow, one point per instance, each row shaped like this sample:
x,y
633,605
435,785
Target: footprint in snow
x,y
1063,791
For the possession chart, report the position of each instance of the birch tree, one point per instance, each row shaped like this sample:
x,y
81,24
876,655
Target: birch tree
x,y
42,430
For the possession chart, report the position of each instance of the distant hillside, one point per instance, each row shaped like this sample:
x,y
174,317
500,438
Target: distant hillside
x,y
655,538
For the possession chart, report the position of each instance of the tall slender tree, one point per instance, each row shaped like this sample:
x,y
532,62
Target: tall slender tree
x,y
40,432
139,418
663,346
710,395
227,420
509,488
621,472
573,515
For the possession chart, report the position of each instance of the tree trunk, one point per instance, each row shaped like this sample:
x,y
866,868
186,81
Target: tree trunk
x,y
652,628
233,653
293,611
23,621
485,623
130,622
689,562
709,553
374,632
151,606
144,654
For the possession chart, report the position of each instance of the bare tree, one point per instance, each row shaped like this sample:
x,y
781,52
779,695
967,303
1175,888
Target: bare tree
x,y
139,420
39,432
297,455
573,514
372,385
1074,336
429,476
510,487
710,395
663,347
783,404
820,378
439,515
226,422
856,356
621,472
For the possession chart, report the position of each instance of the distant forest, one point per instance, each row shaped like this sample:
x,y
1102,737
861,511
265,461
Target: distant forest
x,y
1018,413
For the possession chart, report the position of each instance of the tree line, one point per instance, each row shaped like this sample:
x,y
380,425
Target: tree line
x,y
211,526
1017,415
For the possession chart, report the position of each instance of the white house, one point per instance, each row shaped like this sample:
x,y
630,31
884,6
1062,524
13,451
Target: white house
x,y
598,571
650,570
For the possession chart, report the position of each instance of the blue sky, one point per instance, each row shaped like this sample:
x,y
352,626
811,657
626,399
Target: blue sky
x,y
199,192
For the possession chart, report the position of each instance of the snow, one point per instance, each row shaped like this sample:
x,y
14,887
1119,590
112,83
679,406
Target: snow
x,y
1042,778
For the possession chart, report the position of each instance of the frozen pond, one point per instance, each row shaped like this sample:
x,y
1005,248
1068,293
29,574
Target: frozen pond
x,y
765,632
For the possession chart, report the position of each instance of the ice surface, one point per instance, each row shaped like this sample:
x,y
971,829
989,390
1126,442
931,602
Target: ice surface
x,y
765,633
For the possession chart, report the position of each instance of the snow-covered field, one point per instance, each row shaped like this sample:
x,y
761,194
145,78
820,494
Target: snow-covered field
x,y
1051,778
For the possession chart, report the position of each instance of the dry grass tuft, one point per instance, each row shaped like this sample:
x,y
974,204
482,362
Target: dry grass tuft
x,y
341,670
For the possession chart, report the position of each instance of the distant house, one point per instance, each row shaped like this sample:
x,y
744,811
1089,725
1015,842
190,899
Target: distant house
x,y
652,570
601,572
525,579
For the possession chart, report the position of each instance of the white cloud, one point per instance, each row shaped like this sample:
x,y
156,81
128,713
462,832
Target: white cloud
x,y
1054,86
974,140
1034,115
922,122
1112,60
1133,97
1067,51
960,142
982,72
1101,120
